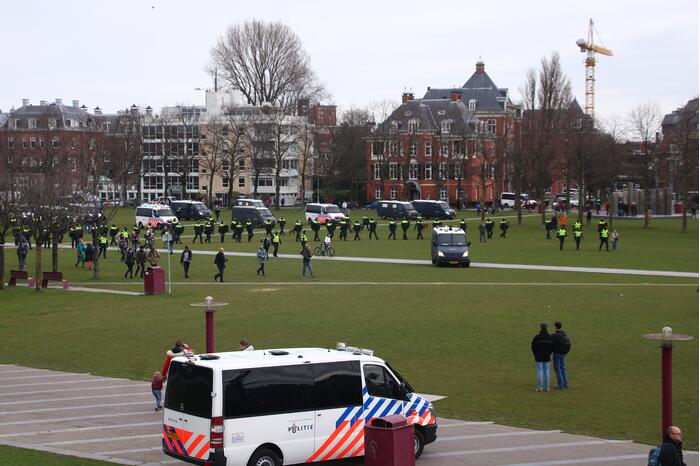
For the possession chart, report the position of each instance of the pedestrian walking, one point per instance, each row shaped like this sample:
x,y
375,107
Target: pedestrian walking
x,y
306,261
604,234
671,453
541,348
186,260
392,230
157,389
89,255
548,227
103,242
561,235
482,232
141,261
373,228
153,257
419,227
266,244
504,225
276,241
297,230
615,237
489,228
262,258
22,251
561,345
223,229
578,236
356,228
220,262
198,230
123,247
129,261
249,229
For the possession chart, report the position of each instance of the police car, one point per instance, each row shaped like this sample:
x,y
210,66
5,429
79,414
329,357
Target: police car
x,y
284,406
449,246
154,215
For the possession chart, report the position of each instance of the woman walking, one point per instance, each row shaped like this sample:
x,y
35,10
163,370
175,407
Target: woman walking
x,y
262,257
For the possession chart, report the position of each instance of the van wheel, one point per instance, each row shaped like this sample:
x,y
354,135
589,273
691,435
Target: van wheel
x,y
418,443
265,457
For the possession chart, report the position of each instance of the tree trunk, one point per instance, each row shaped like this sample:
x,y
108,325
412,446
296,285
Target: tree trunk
x,y
211,187
303,187
2,262
54,252
647,206
95,254
230,185
37,269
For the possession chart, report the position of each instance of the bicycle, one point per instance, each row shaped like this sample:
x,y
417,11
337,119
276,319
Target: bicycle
x,y
323,251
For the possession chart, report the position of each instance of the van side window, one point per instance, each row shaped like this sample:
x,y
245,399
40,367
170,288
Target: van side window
x,y
381,383
338,384
143,212
189,389
268,390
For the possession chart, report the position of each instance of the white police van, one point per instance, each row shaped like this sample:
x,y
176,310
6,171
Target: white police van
x,y
284,406
323,213
155,215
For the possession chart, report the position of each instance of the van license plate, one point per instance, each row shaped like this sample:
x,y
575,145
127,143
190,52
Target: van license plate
x,y
454,262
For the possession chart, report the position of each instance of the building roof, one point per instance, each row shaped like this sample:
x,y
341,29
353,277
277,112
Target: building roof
x,y
430,113
479,87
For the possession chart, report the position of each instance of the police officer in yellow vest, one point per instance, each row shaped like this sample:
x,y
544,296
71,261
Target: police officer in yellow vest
x,y
103,246
275,243
405,224
578,236
561,234
604,235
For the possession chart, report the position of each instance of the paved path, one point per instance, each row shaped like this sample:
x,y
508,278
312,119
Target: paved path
x,y
487,265
113,420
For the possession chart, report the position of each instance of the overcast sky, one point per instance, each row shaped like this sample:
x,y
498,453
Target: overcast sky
x,y
114,54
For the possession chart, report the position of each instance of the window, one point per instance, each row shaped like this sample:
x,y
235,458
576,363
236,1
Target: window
x,y
24,143
92,143
376,170
472,104
393,171
392,193
378,193
445,126
377,148
225,182
428,172
267,390
381,383
241,163
442,170
225,166
444,149
32,143
54,143
393,147
491,126
413,171
241,182
105,126
443,194
265,182
428,149
337,384
413,126
41,143
11,143
31,123
189,389
53,123
413,150
394,126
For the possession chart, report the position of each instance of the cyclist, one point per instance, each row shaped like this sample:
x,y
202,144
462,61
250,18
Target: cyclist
x,y
326,244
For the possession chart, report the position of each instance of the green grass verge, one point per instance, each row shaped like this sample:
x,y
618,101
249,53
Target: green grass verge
x,y
25,457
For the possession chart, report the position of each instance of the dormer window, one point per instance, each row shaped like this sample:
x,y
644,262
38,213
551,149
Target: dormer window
x,y
472,104
68,123
445,126
413,125
31,123
394,126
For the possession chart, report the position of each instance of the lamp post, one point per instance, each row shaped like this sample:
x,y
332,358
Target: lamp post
x,y
667,337
209,304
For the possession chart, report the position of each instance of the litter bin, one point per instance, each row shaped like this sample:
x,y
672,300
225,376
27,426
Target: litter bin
x,y
154,280
389,442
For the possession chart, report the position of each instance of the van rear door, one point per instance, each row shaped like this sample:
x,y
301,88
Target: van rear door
x,y
188,411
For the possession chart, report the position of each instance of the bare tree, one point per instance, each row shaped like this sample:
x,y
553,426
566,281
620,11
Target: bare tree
x,y
266,62
644,125
213,151
546,96
345,157
384,139
8,216
306,151
234,154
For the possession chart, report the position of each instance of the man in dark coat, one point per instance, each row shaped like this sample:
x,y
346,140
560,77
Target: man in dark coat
x,y
541,347
220,262
672,448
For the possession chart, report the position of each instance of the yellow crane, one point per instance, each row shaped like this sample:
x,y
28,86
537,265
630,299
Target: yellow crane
x,y
587,46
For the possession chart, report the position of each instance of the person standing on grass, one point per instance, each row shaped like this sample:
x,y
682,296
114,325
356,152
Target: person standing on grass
x,y
186,260
541,348
419,227
373,229
306,261
504,225
561,345
578,236
276,241
561,234
615,237
220,262
22,251
604,234
89,255
141,261
129,261
482,232
262,257
157,388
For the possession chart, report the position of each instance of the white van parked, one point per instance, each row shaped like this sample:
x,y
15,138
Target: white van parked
x,y
155,215
284,406
323,212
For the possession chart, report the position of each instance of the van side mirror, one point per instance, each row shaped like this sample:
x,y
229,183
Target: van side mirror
x,y
434,243
469,243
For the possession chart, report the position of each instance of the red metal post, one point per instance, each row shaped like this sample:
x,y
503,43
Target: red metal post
x,y
666,384
209,330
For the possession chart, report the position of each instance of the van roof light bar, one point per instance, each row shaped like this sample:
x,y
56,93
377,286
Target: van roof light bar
x,y
340,346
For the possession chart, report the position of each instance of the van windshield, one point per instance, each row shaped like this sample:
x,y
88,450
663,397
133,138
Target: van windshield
x,y
164,212
444,205
264,211
447,239
332,209
189,389
199,206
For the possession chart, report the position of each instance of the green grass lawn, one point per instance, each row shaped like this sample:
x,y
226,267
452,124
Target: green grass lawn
x,y
465,333
25,457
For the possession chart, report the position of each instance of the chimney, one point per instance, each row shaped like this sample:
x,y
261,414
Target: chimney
x,y
25,102
428,87
404,97
480,67
59,101
134,109
83,108
455,96
76,103
97,111
42,103
149,111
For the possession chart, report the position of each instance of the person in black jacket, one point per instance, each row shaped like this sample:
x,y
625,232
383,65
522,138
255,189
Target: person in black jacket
x,y
541,347
220,262
672,449
561,345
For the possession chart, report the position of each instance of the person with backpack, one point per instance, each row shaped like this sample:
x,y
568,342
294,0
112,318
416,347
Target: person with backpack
x,y
541,348
561,345
670,453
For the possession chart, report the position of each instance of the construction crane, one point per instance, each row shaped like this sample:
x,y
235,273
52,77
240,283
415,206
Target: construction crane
x,y
587,45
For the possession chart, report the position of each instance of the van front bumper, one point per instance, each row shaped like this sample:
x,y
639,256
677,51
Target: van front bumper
x,y
216,459
430,433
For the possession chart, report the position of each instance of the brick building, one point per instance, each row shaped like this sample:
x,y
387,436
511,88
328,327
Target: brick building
x,y
449,145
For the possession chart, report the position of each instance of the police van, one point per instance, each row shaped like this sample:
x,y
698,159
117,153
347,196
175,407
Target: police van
x,y
323,213
449,246
155,215
284,406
